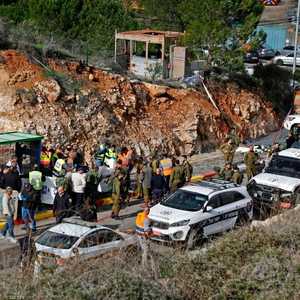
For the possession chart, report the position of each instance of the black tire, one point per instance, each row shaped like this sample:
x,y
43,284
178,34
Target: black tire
x,y
279,62
194,238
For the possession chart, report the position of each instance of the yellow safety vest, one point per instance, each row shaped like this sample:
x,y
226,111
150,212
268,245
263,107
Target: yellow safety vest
x,y
139,222
45,159
59,165
167,166
35,179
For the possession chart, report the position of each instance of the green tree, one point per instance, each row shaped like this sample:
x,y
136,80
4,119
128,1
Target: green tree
x,y
221,26
166,14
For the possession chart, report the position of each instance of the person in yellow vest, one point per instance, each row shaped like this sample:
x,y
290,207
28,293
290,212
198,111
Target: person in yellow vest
x,y
45,159
144,231
142,223
59,167
166,165
36,179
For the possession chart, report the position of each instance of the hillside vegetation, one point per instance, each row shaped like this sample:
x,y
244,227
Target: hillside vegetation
x,y
87,27
244,264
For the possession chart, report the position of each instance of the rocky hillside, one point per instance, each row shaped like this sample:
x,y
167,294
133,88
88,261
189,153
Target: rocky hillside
x,y
66,101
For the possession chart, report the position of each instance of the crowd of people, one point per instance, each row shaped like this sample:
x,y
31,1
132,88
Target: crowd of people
x,y
77,183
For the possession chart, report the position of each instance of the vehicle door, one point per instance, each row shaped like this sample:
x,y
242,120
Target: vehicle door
x,y
298,59
231,203
288,60
212,216
99,243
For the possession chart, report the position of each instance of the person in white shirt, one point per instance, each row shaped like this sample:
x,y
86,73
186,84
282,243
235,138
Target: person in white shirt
x,y
8,210
78,180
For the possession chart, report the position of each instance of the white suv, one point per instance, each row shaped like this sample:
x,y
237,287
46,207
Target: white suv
x,y
196,211
279,184
291,121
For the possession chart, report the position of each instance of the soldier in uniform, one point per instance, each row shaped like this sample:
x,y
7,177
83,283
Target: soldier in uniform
x,y
228,150
187,169
116,195
237,176
227,172
176,177
139,180
250,162
217,171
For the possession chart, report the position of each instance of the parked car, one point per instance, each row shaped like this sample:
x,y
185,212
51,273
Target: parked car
x,y
75,238
287,50
291,121
286,60
265,52
199,210
279,184
251,57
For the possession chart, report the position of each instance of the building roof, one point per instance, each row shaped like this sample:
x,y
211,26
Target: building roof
x,y
154,36
13,137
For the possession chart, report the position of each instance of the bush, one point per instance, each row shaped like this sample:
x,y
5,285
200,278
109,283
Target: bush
x,y
244,264
275,83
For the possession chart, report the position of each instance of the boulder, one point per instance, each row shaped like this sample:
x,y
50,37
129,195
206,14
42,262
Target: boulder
x,y
48,89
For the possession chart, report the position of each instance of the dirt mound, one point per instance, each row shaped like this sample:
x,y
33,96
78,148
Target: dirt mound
x,y
95,105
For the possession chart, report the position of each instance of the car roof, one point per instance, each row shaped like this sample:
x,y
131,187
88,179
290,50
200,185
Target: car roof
x,y
75,226
207,187
290,152
70,229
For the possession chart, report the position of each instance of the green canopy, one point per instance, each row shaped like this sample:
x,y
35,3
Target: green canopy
x,y
14,137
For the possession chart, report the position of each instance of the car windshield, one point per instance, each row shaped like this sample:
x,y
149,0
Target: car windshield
x,y
56,240
185,200
285,166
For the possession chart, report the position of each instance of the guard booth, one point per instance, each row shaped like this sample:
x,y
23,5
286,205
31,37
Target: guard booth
x,y
25,146
151,54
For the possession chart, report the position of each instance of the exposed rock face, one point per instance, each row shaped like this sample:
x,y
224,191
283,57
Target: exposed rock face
x,y
47,90
110,107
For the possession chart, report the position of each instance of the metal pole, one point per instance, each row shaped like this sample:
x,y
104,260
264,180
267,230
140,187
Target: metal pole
x,y
296,42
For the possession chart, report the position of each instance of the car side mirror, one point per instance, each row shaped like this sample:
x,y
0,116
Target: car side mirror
x,y
208,209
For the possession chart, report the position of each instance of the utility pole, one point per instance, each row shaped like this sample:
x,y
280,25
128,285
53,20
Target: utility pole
x,y
296,42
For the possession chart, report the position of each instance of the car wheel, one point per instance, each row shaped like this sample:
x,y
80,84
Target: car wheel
x,y
242,219
279,62
194,237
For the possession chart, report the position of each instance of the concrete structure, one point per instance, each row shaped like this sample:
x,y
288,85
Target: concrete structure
x,y
151,53
276,22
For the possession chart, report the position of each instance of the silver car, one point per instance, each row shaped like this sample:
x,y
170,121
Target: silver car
x,y
287,50
286,59
77,239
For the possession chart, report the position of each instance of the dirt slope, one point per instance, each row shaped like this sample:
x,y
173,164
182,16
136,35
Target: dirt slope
x,y
88,106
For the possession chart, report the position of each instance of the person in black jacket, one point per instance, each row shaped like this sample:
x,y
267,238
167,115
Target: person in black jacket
x,y
158,186
62,205
11,178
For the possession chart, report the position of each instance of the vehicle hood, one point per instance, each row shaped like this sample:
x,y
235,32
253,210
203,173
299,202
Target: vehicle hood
x,y
63,253
169,215
277,181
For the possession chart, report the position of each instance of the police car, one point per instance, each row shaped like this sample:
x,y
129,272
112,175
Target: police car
x,y
199,210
